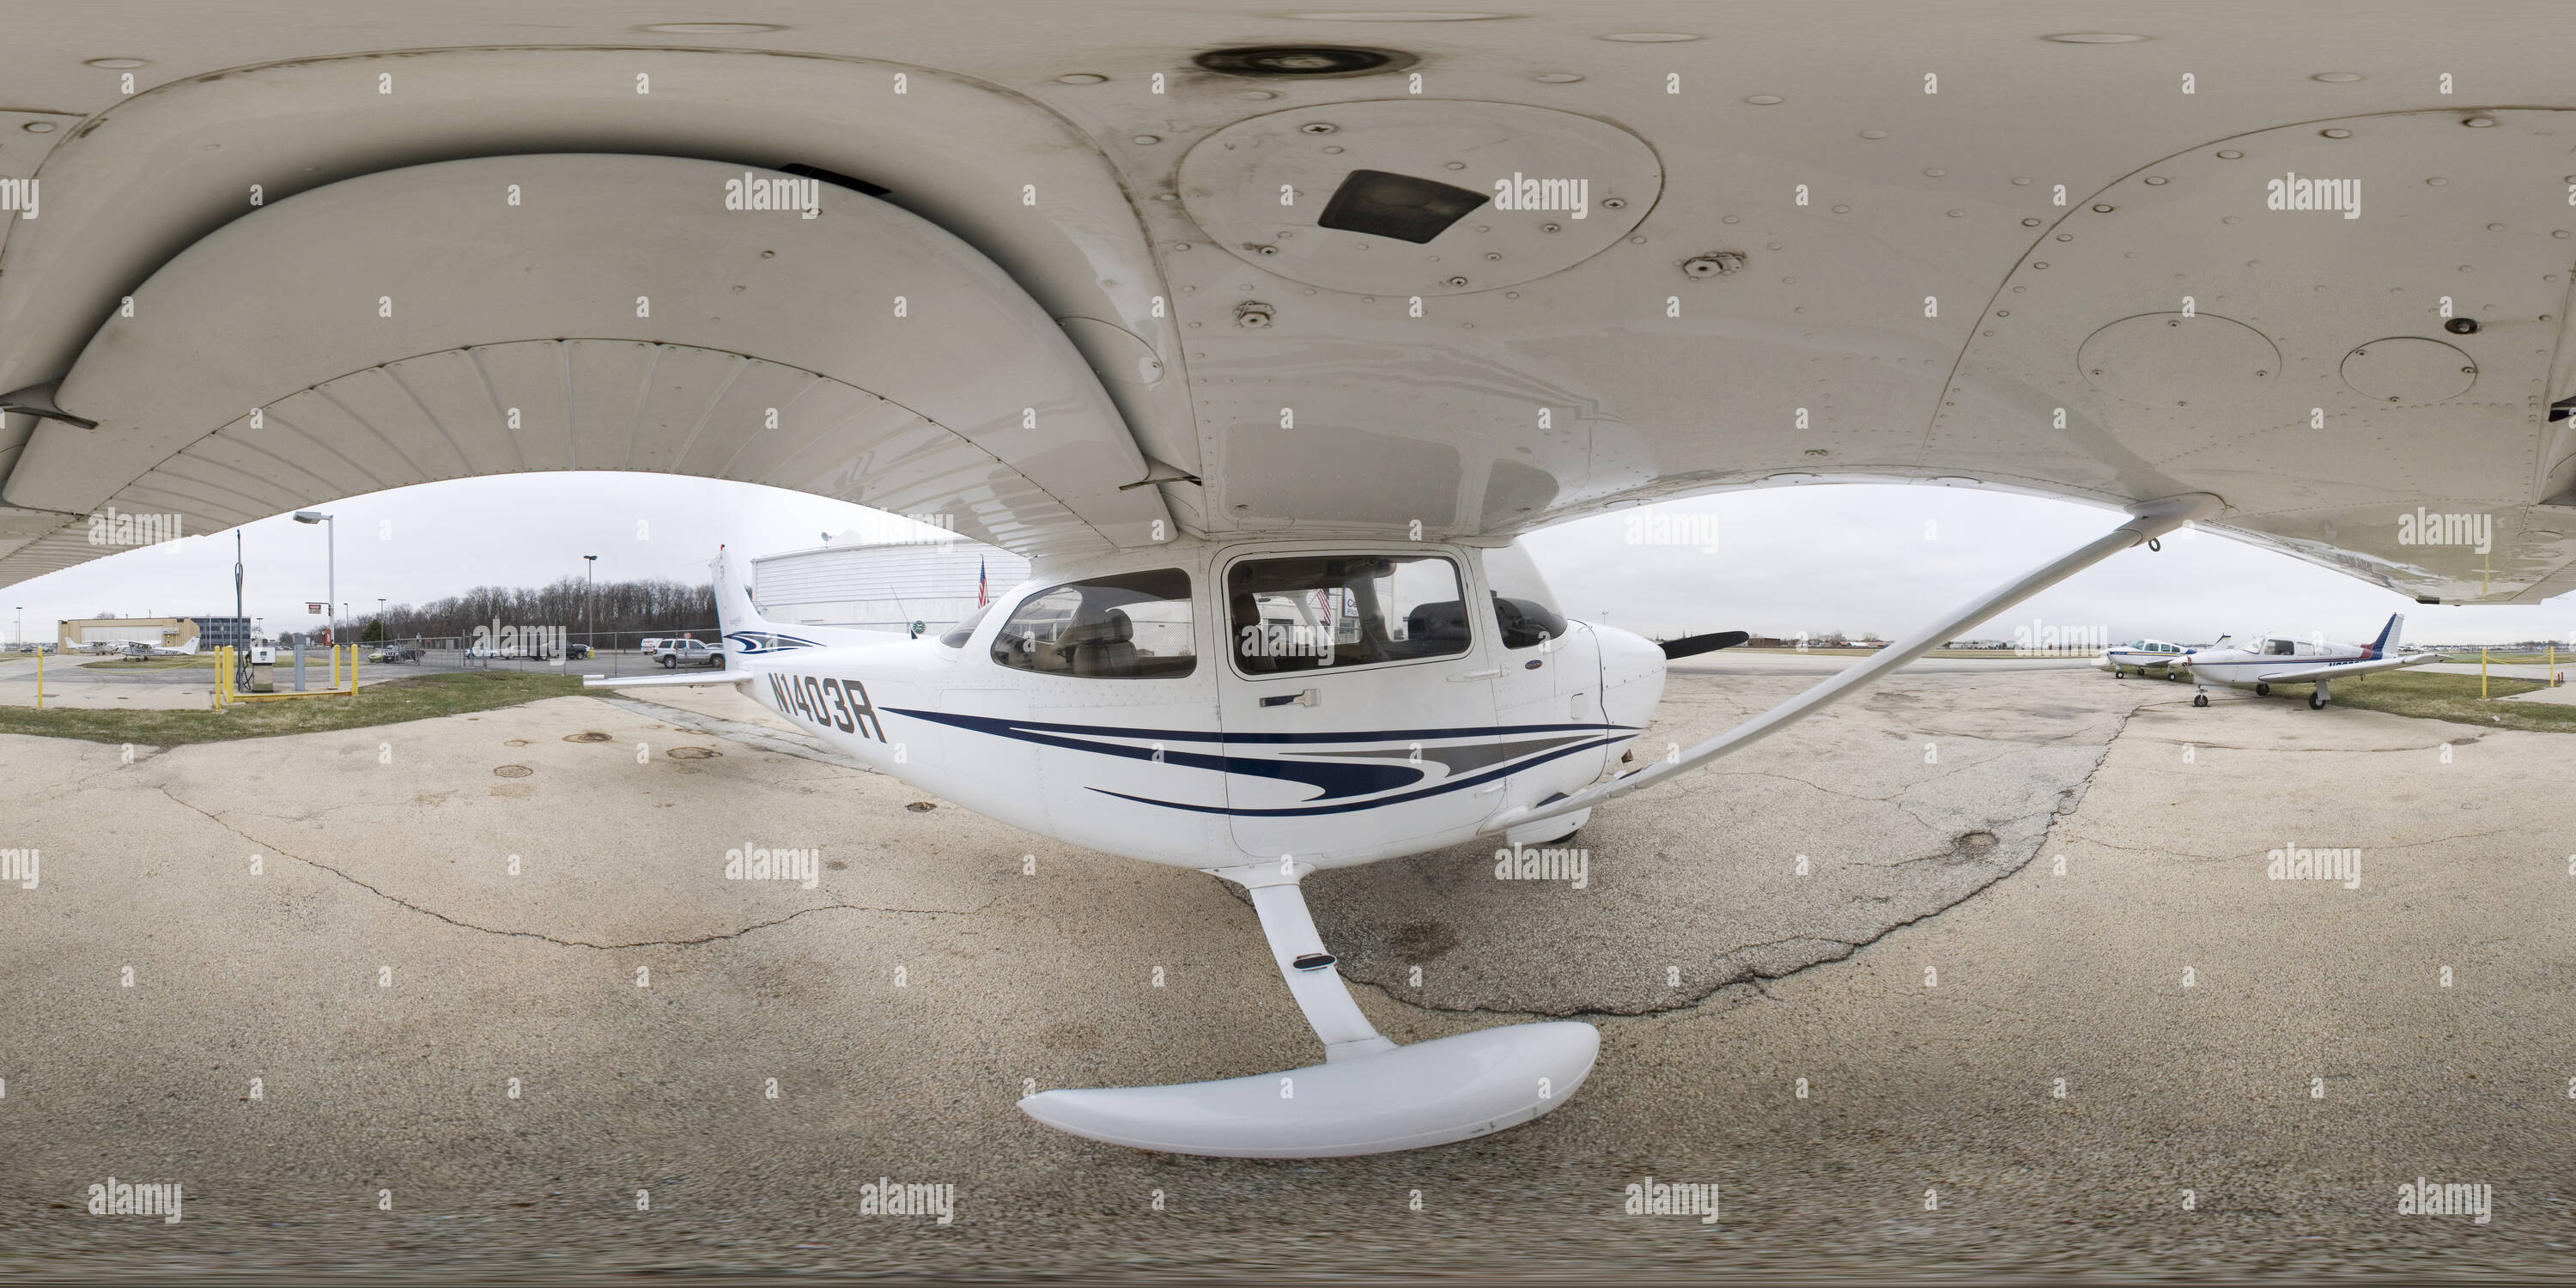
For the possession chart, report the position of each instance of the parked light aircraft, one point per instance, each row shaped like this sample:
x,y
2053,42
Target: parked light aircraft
x,y
2143,655
1265,342
2279,659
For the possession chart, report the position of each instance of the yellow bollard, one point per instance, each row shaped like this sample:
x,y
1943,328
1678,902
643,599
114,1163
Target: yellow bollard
x,y
2482,672
353,670
335,666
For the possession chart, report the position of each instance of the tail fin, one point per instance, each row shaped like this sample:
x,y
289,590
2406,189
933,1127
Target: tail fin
x,y
2386,644
748,634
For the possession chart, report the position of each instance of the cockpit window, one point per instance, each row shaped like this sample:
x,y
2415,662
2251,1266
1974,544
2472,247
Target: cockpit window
x,y
1128,626
2279,648
1312,611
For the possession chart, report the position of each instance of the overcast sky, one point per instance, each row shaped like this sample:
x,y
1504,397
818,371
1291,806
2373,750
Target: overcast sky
x,y
1830,558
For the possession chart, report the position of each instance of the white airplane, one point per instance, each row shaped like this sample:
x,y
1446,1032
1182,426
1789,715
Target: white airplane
x,y
140,648
2276,659
2142,655
1263,709
1236,330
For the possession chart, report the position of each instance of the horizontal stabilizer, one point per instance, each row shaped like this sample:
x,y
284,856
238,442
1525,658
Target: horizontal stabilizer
x,y
1690,645
662,681
1429,1093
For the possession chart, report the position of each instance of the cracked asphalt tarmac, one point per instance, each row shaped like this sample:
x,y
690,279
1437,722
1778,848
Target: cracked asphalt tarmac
x,y
568,1070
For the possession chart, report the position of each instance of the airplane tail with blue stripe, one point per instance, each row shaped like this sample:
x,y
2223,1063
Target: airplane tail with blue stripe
x,y
748,634
2386,644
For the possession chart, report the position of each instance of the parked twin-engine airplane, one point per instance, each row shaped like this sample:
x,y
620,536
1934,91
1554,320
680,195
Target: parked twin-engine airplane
x,y
2276,659
1265,334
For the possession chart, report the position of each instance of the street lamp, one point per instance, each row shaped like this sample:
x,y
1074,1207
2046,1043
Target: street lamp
x,y
331,553
590,599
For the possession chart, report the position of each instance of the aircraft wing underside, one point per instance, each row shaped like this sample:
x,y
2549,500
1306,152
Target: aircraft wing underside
x,y
281,271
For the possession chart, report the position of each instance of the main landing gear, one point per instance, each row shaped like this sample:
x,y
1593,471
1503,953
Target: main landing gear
x,y
2262,690
1370,1096
2317,700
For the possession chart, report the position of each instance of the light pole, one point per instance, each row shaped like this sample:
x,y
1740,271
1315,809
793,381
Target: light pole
x,y
331,554
590,600
382,636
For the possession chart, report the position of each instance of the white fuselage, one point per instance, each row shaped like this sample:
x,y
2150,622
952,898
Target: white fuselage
x,y
2142,654
1209,760
2244,667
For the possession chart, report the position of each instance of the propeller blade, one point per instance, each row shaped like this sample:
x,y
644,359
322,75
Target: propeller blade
x,y
1693,644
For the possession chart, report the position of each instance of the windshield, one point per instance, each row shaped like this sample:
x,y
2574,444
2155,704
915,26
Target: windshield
x,y
965,630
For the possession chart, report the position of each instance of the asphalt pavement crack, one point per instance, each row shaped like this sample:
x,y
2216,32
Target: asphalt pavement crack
x,y
219,821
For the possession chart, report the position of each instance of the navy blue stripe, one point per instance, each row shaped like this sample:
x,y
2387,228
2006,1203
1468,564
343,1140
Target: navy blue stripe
x,y
1338,780
1005,727
1300,811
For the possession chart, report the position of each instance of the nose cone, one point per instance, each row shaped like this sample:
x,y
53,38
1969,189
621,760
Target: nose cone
x,y
1632,676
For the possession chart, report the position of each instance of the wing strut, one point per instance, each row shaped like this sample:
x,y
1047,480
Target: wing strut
x,y
2152,519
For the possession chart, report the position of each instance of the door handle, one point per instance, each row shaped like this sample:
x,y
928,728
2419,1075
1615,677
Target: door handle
x,y
1487,674
1303,699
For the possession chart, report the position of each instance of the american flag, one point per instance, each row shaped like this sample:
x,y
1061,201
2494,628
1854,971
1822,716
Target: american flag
x,y
980,574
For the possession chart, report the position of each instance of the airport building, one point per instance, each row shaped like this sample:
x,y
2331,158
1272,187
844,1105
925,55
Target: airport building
x,y
882,586
83,633
222,632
